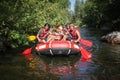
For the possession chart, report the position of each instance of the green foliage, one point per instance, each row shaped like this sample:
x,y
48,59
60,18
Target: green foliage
x,y
78,12
90,14
20,18
99,13
77,9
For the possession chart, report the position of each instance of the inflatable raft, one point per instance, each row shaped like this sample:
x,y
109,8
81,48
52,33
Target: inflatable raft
x,y
53,48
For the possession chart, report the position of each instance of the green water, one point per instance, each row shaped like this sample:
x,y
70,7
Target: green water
x,y
104,65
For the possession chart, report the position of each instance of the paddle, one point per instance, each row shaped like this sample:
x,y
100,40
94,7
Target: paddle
x,y
31,38
85,53
29,50
86,42
83,41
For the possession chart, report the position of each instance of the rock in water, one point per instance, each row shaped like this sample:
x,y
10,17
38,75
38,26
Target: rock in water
x,y
113,37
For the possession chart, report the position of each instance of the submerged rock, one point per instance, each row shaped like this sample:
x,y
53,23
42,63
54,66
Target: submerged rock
x,y
113,37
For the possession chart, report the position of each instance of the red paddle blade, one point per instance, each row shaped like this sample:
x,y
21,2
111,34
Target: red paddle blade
x,y
85,53
85,60
27,51
86,42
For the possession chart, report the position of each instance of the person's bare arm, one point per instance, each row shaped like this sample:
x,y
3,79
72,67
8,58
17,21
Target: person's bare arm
x,y
79,37
38,38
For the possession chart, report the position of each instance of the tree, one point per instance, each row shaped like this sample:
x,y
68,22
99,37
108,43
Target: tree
x,y
77,14
103,13
21,18
77,9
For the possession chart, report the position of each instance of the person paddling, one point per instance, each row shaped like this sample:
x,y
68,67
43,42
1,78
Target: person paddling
x,y
74,33
75,36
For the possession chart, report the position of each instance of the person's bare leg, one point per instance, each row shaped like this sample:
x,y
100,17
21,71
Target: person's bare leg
x,y
50,38
64,37
43,41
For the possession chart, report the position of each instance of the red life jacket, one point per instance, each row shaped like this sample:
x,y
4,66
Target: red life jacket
x,y
74,34
64,31
44,34
68,29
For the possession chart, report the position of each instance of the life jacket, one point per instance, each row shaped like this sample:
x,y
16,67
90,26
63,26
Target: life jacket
x,y
44,34
65,30
68,29
73,33
62,31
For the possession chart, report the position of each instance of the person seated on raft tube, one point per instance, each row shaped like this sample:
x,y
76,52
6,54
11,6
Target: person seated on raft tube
x,y
56,33
67,26
43,33
66,32
74,33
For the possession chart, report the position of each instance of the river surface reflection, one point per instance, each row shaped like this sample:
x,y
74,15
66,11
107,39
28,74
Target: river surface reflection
x,y
104,64
65,68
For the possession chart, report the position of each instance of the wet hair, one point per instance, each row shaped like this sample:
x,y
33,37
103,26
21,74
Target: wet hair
x,y
47,24
72,23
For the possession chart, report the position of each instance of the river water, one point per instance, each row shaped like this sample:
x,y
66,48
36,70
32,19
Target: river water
x,y
104,65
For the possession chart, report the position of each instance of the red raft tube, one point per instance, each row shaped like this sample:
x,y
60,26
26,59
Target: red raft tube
x,y
53,48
